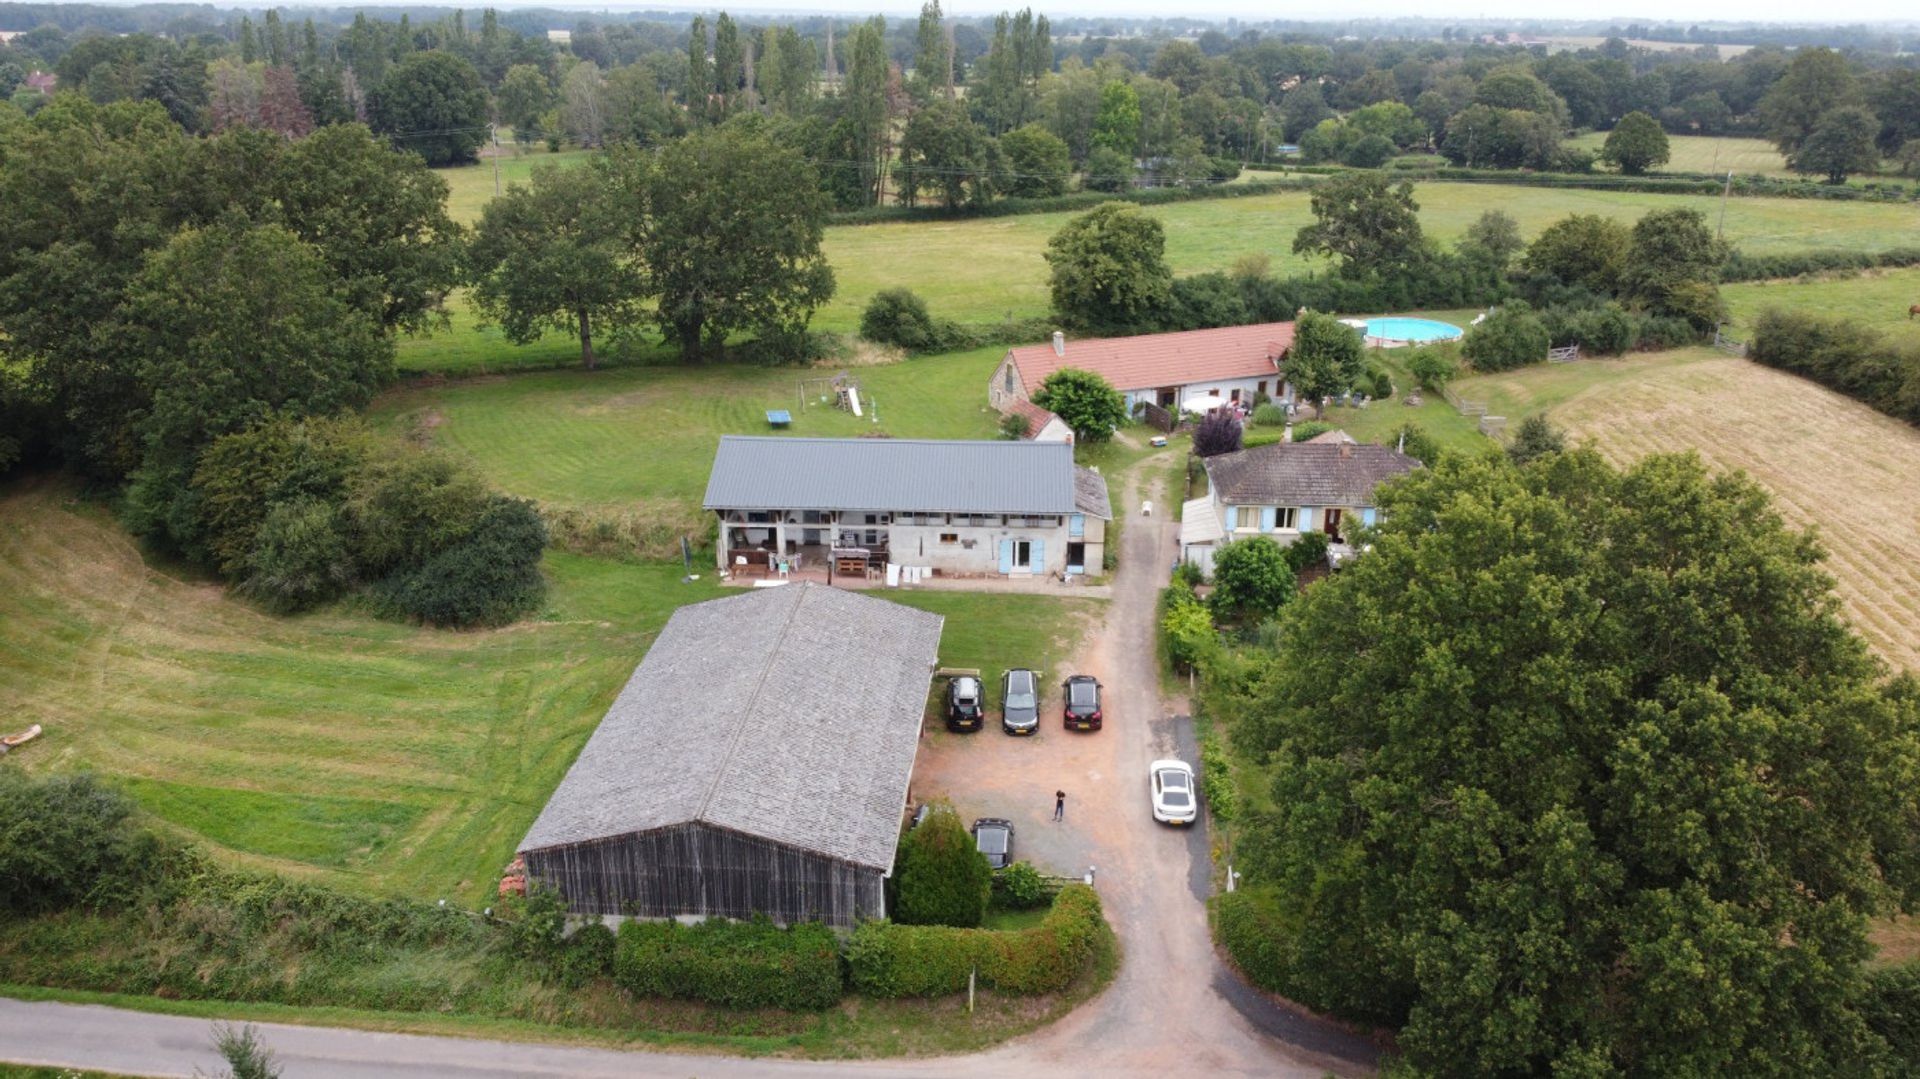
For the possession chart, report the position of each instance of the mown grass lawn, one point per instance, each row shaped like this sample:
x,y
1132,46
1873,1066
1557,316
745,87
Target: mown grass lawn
x,y
634,434
371,755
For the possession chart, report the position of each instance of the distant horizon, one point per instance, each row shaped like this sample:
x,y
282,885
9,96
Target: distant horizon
x,y
1889,14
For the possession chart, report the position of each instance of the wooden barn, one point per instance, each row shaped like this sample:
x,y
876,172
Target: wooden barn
x,y
757,762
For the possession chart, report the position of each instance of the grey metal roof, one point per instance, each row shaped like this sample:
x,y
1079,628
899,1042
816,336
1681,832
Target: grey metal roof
x,y
1305,473
1090,494
761,473
789,713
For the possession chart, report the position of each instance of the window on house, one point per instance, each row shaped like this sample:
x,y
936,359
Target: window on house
x,y
1009,378
1261,386
1283,517
949,537
759,517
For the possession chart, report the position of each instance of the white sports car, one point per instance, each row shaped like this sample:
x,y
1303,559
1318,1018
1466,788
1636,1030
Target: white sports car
x,y
1175,801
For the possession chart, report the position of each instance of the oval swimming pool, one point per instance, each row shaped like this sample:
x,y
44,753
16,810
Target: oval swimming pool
x,y
1418,330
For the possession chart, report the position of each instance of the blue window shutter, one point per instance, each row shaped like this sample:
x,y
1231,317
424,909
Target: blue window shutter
x,y
1039,556
1006,556
1077,524
1268,515
1233,518
1366,516
1306,518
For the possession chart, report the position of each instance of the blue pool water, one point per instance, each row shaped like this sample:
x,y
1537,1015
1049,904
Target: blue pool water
x,y
1412,329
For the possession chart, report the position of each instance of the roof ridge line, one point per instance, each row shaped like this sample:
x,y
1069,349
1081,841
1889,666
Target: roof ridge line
x,y
759,686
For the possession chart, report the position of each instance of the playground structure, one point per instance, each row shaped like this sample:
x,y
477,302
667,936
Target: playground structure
x,y
841,390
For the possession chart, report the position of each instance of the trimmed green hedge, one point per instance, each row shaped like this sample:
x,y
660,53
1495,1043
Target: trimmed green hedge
x,y
737,964
1743,267
1079,200
1682,184
889,960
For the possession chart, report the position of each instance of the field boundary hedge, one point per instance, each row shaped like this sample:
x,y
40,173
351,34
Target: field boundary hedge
x,y
1743,267
1079,200
885,959
1751,185
735,964
1843,356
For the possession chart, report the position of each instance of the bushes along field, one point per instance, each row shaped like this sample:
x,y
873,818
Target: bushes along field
x,y
736,964
887,959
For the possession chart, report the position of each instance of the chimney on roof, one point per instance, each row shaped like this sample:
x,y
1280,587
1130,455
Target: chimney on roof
x,y
1346,449
1059,343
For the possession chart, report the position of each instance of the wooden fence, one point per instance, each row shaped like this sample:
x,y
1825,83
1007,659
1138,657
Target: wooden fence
x,y
1563,355
1158,417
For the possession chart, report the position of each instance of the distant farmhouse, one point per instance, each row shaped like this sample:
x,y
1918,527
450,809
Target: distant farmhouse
x,y
1232,363
1285,489
757,762
960,508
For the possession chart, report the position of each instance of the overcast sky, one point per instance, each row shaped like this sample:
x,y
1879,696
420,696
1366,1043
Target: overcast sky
x,y
1797,11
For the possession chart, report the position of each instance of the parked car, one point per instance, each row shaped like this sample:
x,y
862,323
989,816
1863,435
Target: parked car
x,y
966,704
1082,709
1019,701
993,837
1175,800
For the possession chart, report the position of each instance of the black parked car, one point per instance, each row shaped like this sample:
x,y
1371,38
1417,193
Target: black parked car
x,y
966,704
1019,701
994,838
1082,694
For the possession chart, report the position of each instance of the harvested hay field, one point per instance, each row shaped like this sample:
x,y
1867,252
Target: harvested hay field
x,y
1830,462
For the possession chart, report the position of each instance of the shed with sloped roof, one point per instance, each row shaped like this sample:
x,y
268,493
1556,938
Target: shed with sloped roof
x,y
757,762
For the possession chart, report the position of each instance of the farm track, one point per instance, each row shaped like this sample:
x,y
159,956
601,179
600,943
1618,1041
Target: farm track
x,y
1830,462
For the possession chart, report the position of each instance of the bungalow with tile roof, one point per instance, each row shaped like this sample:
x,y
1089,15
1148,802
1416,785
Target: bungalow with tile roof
x,y
1232,363
1285,489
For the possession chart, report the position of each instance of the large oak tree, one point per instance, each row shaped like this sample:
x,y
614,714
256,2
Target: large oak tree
x,y
1580,771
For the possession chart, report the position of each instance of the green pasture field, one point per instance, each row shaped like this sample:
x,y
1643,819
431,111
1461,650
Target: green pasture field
x,y
1708,154
1879,298
987,269
470,187
643,433
367,754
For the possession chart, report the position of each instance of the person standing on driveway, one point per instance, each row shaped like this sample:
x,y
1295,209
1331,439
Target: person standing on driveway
x,y
1059,805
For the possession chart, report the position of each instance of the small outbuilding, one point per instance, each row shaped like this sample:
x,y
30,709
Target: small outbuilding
x,y
757,762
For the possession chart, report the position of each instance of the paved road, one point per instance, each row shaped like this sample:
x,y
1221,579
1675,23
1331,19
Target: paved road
x,y
1173,1009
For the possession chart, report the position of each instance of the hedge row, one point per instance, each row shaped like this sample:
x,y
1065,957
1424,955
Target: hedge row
x,y
736,964
1079,200
1744,267
889,960
1685,184
1842,355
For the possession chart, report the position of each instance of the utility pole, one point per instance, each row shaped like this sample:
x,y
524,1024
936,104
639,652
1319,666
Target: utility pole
x,y
1725,193
494,130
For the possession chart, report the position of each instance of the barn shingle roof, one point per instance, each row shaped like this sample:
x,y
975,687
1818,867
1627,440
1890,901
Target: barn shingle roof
x,y
791,714
1305,473
1090,494
890,474
1149,361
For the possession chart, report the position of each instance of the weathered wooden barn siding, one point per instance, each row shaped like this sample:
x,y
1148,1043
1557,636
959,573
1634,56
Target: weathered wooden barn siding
x,y
699,870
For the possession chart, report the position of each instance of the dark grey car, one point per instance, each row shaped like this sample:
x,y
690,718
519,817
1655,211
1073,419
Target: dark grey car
x,y
1019,701
994,838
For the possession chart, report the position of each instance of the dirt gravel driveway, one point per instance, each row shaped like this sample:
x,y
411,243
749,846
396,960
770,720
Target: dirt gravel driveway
x,y
1174,1006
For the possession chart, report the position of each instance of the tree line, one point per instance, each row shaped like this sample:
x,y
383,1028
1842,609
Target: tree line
x,y
960,111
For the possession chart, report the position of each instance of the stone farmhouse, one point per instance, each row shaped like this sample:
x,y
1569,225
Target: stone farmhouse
x,y
950,508
1285,489
1170,370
